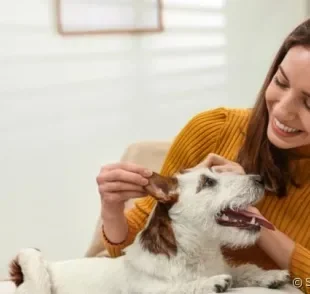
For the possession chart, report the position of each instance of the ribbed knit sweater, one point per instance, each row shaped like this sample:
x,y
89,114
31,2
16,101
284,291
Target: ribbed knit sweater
x,y
221,131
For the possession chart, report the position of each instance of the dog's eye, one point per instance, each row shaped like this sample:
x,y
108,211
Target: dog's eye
x,y
208,182
205,182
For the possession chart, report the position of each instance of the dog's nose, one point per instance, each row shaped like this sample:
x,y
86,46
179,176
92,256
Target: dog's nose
x,y
258,179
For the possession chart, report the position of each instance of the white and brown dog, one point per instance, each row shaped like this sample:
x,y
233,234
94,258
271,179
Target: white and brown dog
x,y
179,250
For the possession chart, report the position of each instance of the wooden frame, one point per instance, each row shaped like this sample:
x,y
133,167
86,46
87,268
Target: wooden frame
x,y
62,31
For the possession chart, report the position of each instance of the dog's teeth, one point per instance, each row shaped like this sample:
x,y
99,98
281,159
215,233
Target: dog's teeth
x,y
253,221
225,217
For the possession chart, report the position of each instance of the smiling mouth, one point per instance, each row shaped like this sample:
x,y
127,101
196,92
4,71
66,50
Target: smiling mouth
x,y
243,219
283,129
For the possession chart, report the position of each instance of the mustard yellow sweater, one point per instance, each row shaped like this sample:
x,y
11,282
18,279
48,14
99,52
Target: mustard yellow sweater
x,y
221,131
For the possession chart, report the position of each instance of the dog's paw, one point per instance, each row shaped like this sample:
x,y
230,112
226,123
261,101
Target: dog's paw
x,y
276,279
280,278
222,283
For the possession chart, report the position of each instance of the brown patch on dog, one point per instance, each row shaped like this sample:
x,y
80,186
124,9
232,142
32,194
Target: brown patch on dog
x,y
158,237
16,274
163,188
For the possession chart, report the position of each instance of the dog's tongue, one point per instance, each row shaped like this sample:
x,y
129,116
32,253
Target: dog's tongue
x,y
260,219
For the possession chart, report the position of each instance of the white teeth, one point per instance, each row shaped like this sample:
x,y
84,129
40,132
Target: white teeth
x,y
284,127
252,221
225,217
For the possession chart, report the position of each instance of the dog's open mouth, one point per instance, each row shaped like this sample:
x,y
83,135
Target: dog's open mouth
x,y
243,219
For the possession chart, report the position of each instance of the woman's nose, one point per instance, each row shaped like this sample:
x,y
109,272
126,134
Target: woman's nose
x,y
286,107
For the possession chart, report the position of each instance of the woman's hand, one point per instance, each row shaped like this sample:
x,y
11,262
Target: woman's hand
x,y
277,245
120,182
220,164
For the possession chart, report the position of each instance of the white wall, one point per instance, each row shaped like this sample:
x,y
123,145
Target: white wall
x,y
255,30
68,105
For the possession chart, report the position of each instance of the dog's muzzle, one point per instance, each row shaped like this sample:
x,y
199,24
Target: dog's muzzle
x,y
242,218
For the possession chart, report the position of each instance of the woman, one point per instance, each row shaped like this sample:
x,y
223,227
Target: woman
x,y
272,139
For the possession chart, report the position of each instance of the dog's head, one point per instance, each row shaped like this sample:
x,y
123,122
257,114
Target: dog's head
x,y
207,203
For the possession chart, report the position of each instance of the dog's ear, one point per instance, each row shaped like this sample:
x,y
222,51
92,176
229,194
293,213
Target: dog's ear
x,y
163,189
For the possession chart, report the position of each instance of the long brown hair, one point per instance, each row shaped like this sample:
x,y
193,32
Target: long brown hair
x,y
257,154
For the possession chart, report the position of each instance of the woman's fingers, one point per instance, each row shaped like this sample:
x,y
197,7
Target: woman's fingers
x,y
130,167
221,164
223,168
121,186
213,159
120,197
123,176
228,168
121,181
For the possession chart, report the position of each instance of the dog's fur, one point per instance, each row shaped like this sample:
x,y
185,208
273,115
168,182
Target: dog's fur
x,y
177,252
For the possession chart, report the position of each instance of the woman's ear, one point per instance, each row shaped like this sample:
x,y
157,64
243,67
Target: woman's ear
x,y
163,189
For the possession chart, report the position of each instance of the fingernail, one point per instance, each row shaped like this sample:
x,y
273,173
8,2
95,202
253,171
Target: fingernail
x,y
144,181
147,172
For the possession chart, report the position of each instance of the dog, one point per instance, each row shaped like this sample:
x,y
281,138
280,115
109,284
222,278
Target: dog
x,y
179,249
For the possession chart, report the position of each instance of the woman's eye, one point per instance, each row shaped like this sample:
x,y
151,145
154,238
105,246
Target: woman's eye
x,y
279,83
307,102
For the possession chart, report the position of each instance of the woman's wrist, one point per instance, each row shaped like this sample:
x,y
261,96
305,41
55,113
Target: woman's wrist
x,y
112,210
115,227
277,246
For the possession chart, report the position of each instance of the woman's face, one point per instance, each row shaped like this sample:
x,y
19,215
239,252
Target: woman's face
x,y
288,101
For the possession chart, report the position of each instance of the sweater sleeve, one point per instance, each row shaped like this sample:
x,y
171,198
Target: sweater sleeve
x,y
300,267
194,142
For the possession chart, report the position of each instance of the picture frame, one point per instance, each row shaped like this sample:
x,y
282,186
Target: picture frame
x,y
93,17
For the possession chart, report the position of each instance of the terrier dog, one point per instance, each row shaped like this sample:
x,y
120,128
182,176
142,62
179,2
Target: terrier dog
x,y
178,251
